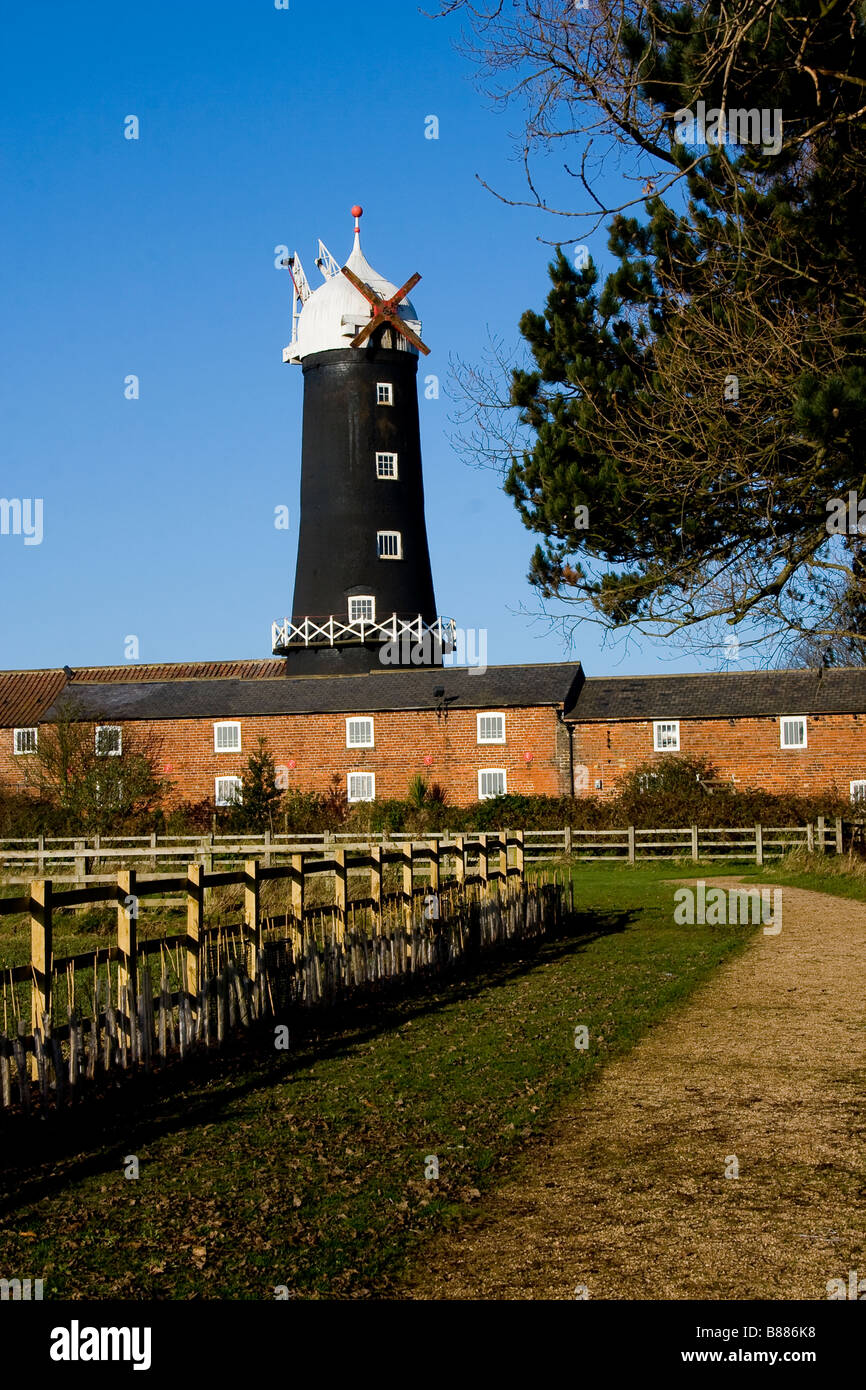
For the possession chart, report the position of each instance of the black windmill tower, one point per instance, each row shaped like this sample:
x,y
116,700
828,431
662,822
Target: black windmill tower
x,y
363,585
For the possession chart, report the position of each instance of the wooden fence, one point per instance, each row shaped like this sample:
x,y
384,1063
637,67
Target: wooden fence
x,y
79,861
149,997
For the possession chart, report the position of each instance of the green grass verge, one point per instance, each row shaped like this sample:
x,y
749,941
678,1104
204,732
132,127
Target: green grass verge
x,y
307,1169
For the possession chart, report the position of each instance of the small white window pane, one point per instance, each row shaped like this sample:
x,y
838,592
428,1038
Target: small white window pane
x,y
389,545
384,393
858,792
109,741
361,786
386,465
362,609
227,738
491,728
359,733
492,781
793,731
26,740
666,736
228,791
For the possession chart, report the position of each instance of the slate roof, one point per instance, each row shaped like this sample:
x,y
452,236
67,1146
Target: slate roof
x,y
720,695
225,698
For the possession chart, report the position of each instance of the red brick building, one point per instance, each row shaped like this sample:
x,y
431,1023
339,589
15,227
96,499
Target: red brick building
x,y
528,729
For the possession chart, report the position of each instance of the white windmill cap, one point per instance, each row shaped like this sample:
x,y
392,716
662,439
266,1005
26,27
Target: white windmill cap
x,y
336,312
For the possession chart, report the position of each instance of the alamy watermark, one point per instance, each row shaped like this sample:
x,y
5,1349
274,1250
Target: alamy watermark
x,y
739,126
20,1290
716,907
22,516
469,649
846,516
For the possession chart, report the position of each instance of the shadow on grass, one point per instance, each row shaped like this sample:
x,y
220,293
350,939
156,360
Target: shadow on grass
x,y
47,1154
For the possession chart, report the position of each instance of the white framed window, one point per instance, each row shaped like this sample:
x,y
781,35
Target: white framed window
x,y
492,781
361,786
858,792
359,733
792,731
228,791
389,545
362,609
227,737
386,466
26,740
384,393
491,728
666,735
109,740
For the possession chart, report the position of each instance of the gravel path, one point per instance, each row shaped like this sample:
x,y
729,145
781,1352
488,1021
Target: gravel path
x,y
627,1196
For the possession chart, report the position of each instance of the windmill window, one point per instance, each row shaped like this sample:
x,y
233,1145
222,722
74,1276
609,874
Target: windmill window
x,y
361,786
666,736
109,741
384,393
389,545
386,466
359,733
792,731
26,740
858,793
227,737
228,791
362,609
492,781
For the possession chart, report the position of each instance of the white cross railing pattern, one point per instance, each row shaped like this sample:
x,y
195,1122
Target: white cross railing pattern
x,y
333,631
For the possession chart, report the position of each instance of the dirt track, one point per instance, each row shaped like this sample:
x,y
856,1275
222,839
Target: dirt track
x,y
628,1195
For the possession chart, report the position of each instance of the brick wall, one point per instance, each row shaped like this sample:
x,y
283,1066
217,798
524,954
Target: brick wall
x,y
748,748
316,744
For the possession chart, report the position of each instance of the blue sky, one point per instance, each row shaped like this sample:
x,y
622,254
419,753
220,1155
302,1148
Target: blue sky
x,y
155,258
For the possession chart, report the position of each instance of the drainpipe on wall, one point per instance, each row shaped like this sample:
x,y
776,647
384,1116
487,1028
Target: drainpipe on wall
x,y
570,728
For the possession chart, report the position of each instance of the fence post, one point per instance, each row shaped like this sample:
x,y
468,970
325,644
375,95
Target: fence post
x,y
503,859
153,858
127,944
376,887
194,923
632,853
434,866
483,862
460,859
408,881
267,849
298,888
695,855
41,954
80,864
822,835
759,844
810,837
341,893
520,853
252,914
838,834
40,861
567,841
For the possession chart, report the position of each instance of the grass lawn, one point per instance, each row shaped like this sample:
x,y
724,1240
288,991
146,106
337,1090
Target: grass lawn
x,y
306,1169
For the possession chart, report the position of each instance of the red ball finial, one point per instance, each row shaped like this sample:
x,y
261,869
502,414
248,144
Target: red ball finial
x,y
357,212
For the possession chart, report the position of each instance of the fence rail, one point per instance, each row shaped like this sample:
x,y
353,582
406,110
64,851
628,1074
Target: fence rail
x,y
81,859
